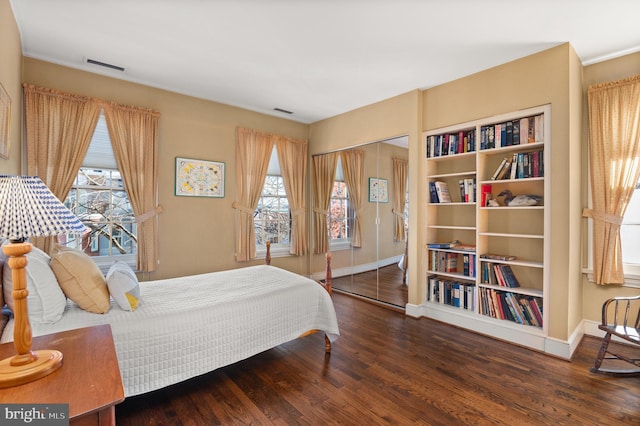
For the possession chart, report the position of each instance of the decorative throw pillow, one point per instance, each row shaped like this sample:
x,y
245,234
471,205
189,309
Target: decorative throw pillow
x,y
45,302
123,286
81,280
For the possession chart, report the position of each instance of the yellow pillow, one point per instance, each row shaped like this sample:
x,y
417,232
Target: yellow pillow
x,y
81,280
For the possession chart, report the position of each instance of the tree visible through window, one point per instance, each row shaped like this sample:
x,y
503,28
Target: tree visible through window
x,y
99,200
340,219
272,218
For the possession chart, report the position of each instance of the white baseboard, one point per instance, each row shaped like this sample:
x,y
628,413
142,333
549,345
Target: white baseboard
x,y
529,337
358,269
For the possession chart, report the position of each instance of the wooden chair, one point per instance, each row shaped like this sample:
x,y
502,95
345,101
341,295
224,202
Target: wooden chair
x,y
620,318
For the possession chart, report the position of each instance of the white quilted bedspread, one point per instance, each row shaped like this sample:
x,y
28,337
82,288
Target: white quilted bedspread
x,y
188,326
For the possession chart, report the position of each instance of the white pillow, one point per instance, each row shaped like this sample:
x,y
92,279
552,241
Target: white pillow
x,y
46,301
123,286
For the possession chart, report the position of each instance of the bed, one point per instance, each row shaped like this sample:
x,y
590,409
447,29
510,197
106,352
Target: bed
x,y
187,326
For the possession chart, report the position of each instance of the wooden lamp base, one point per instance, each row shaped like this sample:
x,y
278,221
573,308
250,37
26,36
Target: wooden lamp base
x,y
27,365
47,361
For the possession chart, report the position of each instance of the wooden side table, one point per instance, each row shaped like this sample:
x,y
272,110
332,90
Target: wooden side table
x,y
89,379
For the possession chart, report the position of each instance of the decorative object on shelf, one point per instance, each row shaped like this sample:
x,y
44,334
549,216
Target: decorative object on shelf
x,y
28,209
519,200
378,190
199,178
5,122
492,203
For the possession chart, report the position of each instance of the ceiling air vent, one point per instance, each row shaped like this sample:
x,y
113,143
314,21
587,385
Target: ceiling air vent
x,y
104,64
283,110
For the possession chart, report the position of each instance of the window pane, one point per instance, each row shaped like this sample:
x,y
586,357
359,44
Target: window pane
x,y
272,219
99,201
630,231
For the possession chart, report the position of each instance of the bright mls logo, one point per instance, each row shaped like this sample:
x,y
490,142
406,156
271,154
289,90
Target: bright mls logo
x,y
34,414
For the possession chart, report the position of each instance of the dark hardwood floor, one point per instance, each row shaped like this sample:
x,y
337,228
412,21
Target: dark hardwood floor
x,y
388,286
387,368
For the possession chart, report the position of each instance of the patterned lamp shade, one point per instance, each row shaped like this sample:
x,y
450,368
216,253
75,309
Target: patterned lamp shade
x,y
29,209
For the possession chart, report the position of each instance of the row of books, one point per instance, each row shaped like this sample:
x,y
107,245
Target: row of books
x,y
514,132
439,192
450,262
456,244
453,293
467,190
498,274
526,310
451,143
520,166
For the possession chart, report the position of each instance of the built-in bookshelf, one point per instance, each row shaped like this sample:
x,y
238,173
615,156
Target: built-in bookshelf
x,y
486,263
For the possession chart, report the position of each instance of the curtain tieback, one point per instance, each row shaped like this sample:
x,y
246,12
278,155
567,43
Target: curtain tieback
x,y
397,213
603,217
242,208
148,215
322,212
298,212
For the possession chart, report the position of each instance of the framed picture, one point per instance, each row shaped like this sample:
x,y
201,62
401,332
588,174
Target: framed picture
x,y
378,190
5,122
199,178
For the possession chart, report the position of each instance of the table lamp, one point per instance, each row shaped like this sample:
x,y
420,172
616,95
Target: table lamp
x,y
28,209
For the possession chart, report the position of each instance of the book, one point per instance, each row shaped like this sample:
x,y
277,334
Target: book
x,y
499,169
452,244
515,140
505,172
524,130
442,189
433,194
485,189
497,256
508,276
514,166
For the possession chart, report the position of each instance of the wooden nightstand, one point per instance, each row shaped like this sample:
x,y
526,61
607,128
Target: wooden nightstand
x,y
89,379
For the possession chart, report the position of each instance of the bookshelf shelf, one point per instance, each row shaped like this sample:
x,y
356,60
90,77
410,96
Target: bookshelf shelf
x,y
449,175
518,290
508,235
459,228
514,147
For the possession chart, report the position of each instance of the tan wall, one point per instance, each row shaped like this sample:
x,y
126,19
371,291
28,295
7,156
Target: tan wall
x,y
10,72
196,234
534,80
615,69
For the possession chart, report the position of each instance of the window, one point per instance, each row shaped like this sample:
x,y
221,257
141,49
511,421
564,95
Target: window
x,y
272,218
341,215
99,200
630,236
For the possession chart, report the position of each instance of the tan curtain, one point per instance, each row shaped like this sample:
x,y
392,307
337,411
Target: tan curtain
x,y
353,170
59,127
400,168
324,174
133,133
253,151
292,156
614,153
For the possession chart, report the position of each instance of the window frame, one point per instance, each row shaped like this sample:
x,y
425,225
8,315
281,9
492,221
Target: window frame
x,y
277,249
104,262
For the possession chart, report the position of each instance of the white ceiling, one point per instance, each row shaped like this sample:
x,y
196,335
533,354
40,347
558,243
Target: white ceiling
x,y
317,58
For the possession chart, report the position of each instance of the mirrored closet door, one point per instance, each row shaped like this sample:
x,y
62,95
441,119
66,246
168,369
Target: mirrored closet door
x,y
368,258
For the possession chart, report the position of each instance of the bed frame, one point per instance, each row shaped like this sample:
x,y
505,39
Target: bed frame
x,y
326,285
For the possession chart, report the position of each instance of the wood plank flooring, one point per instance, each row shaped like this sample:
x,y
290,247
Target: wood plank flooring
x,y
387,368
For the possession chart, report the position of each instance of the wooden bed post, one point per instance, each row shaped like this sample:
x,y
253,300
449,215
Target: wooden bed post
x,y
327,286
267,257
